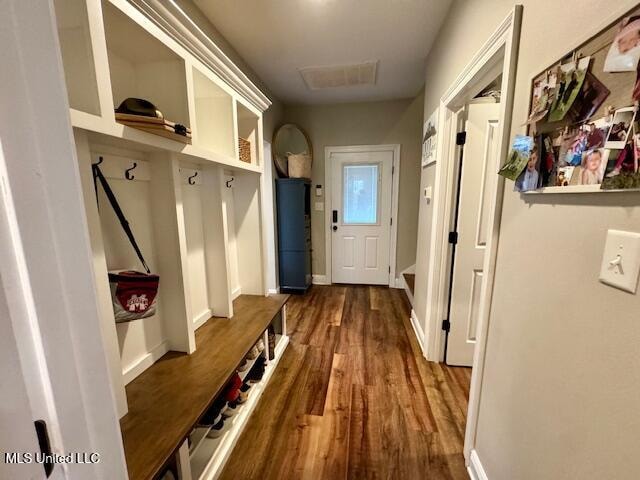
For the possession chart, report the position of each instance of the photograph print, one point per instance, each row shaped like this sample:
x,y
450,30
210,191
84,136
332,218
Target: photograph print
x,y
572,78
593,95
624,52
620,128
593,166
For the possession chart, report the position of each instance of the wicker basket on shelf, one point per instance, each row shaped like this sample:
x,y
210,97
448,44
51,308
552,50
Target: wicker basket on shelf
x,y
244,149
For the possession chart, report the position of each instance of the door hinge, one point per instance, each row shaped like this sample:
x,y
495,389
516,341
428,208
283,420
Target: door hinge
x,y
393,169
389,268
446,325
461,138
391,221
453,238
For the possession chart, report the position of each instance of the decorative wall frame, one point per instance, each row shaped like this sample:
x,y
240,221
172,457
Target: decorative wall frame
x,y
618,89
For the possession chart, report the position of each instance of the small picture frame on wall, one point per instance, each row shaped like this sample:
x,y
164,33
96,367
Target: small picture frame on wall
x,y
429,139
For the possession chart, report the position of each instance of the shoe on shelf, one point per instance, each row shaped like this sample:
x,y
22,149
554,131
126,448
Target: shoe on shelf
x,y
246,363
244,393
214,414
169,475
232,409
256,372
253,353
217,430
271,333
260,345
233,389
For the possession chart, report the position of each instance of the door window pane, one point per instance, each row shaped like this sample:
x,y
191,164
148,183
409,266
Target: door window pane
x,y
360,194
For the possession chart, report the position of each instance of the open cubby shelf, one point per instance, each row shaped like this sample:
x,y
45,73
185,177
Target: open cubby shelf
x,y
141,66
213,107
248,129
166,401
77,55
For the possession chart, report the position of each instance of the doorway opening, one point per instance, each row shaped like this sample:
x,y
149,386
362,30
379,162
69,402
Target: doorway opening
x,y
361,208
469,203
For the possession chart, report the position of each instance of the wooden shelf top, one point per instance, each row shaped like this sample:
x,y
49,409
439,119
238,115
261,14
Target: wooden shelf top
x,y
167,399
109,132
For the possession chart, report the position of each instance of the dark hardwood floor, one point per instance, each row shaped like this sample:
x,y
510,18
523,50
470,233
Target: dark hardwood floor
x,y
353,397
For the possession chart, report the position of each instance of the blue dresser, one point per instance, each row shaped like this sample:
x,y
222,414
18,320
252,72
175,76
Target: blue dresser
x,y
293,199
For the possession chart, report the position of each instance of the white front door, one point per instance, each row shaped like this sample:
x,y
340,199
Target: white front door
x,y
476,183
361,216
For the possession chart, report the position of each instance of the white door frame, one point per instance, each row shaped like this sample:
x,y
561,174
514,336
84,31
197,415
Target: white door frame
x,y
498,54
395,178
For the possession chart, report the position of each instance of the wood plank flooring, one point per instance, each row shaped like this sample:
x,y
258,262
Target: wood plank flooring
x,y
353,397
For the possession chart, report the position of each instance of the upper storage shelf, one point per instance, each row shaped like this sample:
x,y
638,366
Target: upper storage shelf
x,y
77,55
214,115
115,49
143,67
248,130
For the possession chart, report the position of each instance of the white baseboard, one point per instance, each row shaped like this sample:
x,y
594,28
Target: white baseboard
x,y
475,469
200,319
320,280
141,364
272,291
417,329
235,293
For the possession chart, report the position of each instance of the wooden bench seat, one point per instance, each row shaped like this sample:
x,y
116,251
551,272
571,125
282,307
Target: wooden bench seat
x,y
166,401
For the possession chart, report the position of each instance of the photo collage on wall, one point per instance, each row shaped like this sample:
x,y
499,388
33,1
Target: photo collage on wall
x,y
567,145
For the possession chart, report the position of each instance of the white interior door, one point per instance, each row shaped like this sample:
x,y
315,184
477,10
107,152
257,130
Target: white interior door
x,y
476,183
361,216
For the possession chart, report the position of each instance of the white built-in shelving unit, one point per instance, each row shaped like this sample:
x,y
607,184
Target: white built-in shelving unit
x,y
195,208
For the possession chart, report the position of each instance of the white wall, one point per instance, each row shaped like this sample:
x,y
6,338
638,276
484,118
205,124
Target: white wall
x,y
561,388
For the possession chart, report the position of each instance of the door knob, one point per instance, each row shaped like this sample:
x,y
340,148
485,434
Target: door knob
x,y
335,227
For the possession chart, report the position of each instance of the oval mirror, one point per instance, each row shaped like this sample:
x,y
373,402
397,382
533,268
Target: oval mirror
x,y
288,139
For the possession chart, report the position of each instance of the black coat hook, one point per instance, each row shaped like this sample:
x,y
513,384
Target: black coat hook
x,y
229,182
191,179
127,172
100,160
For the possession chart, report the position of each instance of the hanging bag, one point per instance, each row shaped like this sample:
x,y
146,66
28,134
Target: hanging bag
x,y
134,294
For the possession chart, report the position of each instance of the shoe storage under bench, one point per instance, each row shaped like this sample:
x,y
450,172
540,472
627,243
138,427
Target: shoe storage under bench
x,y
168,399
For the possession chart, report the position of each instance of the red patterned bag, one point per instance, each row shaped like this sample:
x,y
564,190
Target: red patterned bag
x,y
134,294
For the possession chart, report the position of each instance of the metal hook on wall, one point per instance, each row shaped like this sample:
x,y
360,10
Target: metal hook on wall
x,y
229,182
100,160
191,179
127,172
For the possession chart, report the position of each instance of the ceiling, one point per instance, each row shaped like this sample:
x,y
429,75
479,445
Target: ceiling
x,y
279,37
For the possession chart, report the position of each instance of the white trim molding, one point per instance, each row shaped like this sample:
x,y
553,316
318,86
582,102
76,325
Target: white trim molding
x,y
417,329
202,318
475,468
174,21
320,280
395,178
130,372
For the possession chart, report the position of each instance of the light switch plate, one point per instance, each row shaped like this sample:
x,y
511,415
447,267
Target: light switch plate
x,y
427,194
621,260
319,206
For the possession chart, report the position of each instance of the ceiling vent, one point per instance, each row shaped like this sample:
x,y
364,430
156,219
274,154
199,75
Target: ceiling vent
x,y
318,78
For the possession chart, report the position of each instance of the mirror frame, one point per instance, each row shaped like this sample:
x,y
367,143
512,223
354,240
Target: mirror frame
x,y
273,146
